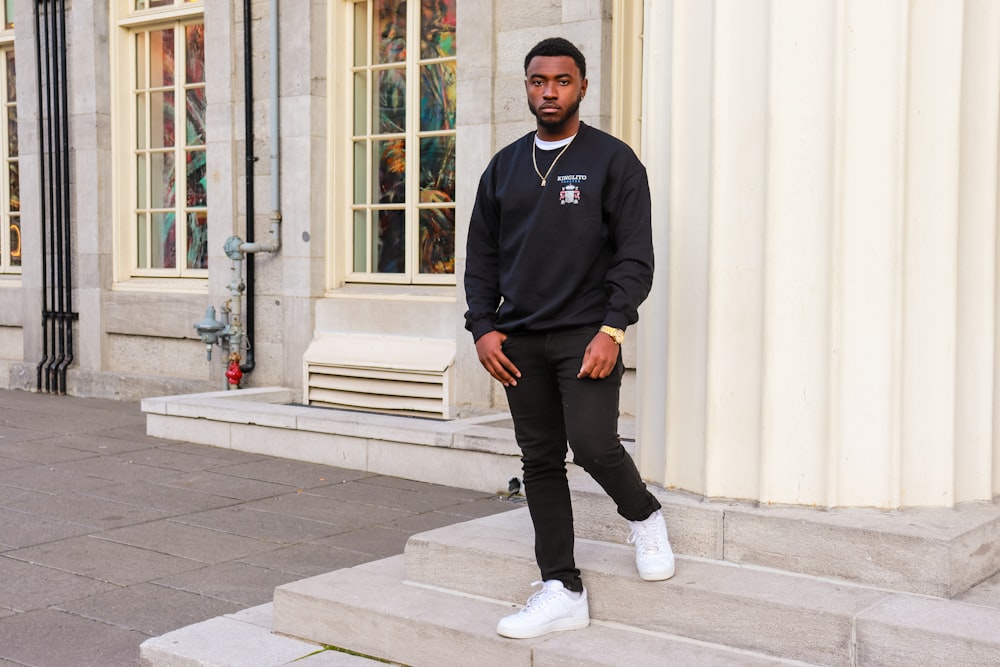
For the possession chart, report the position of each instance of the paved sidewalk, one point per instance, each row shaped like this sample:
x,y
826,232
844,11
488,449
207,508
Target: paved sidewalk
x,y
109,536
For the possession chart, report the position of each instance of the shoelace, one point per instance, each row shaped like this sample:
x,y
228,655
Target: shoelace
x,y
540,599
650,540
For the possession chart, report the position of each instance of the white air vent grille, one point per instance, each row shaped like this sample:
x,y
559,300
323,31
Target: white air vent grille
x,y
380,373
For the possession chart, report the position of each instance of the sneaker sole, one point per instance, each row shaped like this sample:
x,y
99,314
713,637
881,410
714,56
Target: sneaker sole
x,y
659,575
554,626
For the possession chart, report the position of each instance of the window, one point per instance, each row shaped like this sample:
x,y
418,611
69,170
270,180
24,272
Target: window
x,y
402,213
10,191
163,190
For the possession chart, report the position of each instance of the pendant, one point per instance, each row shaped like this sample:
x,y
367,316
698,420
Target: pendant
x,y
543,182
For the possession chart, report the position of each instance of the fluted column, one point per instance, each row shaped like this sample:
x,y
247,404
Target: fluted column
x,y
827,173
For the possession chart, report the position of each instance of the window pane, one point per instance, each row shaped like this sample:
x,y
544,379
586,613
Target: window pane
x,y
161,112
390,176
163,182
8,14
390,243
140,190
196,107
360,241
15,240
437,169
140,61
391,31
12,147
14,181
140,121
437,97
11,77
437,240
390,107
194,37
164,241
437,29
197,183
197,240
161,53
141,240
360,34
360,169
361,103
142,4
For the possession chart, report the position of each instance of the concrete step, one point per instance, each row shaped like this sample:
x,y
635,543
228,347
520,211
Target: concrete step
x,y
244,639
439,604
374,610
940,552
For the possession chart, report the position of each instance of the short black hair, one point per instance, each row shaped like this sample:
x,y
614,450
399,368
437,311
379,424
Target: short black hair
x,y
557,46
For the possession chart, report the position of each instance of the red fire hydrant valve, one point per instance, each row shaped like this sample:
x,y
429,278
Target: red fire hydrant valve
x,y
233,373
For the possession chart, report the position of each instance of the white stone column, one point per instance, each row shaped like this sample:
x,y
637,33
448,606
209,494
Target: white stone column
x,y
823,330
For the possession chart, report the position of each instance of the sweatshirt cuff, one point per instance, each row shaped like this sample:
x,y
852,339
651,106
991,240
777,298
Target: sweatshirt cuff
x,y
480,328
616,320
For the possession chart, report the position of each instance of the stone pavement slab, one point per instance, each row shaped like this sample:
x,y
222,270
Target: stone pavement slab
x,y
109,536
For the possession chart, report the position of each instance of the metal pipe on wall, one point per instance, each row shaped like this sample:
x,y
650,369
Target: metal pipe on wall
x,y
56,227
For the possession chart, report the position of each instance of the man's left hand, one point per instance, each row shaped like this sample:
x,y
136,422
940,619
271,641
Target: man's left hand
x,y
600,357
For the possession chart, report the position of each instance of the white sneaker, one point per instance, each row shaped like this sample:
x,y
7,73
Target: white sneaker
x,y
653,556
548,610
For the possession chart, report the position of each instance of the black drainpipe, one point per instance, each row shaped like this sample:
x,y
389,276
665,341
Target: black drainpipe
x,y
248,258
53,131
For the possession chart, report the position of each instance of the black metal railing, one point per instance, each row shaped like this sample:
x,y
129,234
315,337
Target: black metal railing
x,y
53,131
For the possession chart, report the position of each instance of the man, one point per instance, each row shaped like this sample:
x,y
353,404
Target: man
x,y
559,258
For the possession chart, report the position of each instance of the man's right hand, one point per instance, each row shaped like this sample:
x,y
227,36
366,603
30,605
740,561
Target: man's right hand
x,y
491,356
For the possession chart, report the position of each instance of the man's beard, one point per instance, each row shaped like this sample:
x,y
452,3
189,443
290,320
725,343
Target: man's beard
x,y
553,123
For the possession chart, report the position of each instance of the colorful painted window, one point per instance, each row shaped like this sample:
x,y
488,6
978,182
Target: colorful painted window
x,y
404,84
10,189
170,213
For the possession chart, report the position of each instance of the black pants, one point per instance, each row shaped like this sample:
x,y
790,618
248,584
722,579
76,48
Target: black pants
x,y
551,407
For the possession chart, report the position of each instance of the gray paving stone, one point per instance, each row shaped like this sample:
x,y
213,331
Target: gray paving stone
x,y
241,520
87,510
50,480
238,583
31,586
170,499
377,541
227,486
98,443
203,545
19,530
91,557
149,608
376,495
13,464
51,638
41,451
480,508
299,474
69,497
345,516
165,457
308,560
114,469
419,523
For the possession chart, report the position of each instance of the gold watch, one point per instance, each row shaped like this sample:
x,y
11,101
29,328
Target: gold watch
x,y
617,335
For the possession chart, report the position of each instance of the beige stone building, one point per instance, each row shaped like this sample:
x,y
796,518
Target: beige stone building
x,y
822,330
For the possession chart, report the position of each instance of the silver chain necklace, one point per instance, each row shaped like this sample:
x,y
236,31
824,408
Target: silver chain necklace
x,y
534,160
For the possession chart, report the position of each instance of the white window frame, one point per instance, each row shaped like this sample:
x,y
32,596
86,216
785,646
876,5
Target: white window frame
x,y
6,214
341,166
126,23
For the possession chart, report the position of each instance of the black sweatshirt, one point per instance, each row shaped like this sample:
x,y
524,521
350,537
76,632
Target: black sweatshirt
x,y
576,252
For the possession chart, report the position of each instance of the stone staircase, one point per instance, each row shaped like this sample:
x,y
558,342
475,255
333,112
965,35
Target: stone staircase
x,y
754,586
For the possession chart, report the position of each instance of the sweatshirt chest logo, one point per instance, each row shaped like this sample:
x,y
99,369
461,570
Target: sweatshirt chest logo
x,y
570,192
